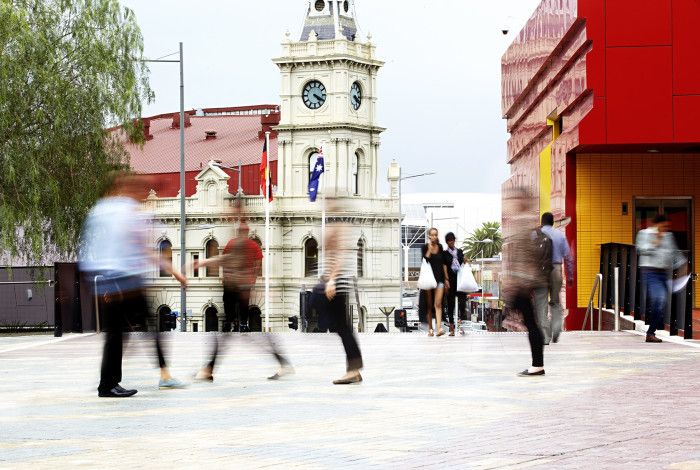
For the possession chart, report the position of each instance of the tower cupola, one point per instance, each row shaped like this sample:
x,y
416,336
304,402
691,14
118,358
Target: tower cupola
x,y
330,19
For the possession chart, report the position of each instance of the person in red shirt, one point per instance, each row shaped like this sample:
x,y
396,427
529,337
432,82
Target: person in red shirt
x,y
241,261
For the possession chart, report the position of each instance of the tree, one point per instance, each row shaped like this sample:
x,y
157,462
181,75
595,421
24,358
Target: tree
x,y
68,70
473,245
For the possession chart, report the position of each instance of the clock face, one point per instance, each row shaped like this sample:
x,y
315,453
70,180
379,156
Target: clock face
x,y
314,94
356,96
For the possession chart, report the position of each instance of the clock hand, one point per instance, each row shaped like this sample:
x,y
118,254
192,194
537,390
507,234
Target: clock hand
x,y
356,99
317,97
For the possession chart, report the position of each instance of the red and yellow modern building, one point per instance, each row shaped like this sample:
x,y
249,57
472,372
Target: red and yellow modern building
x,y
602,101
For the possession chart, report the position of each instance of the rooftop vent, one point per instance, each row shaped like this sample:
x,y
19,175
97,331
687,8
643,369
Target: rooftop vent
x,y
209,134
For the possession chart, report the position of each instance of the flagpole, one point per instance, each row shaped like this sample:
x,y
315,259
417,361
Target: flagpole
x,y
323,217
267,234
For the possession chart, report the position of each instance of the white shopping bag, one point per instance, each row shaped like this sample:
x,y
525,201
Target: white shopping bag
x,y
465,280
426,279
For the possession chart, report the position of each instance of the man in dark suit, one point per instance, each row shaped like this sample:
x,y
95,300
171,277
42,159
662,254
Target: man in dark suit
x,y
454,258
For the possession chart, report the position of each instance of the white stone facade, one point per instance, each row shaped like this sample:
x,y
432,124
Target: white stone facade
x,y
350,141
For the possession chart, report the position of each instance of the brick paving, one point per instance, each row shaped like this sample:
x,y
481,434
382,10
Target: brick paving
x,y
608,401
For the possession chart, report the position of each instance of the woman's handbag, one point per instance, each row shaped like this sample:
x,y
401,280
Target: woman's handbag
x,y
426,278
465,280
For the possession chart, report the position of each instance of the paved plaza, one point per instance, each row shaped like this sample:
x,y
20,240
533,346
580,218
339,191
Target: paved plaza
x,y
608,401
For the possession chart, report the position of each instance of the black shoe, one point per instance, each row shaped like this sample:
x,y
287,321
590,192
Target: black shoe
x,y
124,390
526,373
555,339
117,392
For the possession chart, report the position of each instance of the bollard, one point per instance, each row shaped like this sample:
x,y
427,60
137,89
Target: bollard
x,y
617,299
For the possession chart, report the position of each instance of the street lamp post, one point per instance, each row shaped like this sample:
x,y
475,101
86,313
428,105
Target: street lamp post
x,y
401,242
183,246
485,241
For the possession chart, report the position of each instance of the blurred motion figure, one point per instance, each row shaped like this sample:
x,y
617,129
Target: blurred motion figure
x,y
114,247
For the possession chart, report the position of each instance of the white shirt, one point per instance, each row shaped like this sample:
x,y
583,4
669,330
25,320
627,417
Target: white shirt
x,y
114,238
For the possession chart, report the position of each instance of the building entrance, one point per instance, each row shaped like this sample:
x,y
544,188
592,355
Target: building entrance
x,y
211,319
679,212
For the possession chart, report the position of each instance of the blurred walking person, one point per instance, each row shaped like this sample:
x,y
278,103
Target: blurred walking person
x,y
548,298
115,249
434,255
524,271
336,281
241,262
454,259
658,256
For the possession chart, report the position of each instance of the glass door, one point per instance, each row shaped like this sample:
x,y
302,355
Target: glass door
x,y
679,212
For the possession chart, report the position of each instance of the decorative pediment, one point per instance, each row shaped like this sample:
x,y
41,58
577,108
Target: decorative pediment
x,y
211,172
212,186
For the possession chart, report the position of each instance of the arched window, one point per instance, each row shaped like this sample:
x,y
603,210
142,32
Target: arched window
x,y
259,264
310,258
360,258
212,250
211,319
166,321
165,256
356,174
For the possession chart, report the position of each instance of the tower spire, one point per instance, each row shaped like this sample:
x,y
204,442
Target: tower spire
x,y
330,19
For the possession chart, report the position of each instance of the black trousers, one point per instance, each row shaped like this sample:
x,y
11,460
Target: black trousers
x,y
522,302
121,312
338,310
461,300
236,304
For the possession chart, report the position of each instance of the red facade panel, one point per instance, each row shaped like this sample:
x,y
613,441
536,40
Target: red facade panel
x,y
686,122
638,23
639,95
593,12
593,129
686,44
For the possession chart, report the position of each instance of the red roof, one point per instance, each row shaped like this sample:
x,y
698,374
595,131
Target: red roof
x,y
239,138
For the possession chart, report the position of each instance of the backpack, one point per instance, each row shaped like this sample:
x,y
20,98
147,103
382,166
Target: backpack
x,y
543,250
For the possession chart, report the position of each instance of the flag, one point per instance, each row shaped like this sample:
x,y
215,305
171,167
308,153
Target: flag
x,y
319,168
265,173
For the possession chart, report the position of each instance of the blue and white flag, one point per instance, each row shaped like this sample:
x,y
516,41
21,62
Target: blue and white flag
x,y
319,168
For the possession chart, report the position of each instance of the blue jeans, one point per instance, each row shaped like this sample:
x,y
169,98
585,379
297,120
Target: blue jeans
x,y
657,299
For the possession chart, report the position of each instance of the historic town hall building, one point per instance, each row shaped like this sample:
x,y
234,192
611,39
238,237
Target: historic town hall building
x,y
328,100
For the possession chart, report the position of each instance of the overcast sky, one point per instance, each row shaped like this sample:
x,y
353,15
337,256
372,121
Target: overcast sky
x,y
439,92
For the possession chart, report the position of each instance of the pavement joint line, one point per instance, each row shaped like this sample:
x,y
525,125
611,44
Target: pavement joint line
x,y
44,343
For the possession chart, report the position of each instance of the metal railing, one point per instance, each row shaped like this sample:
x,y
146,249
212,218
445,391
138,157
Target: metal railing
x,y
589,311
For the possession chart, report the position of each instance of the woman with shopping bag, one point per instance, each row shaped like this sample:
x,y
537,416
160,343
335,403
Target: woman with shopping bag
x,y
434,287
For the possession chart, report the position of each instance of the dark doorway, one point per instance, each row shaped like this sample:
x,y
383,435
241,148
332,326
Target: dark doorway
x,y
211,319
255,319
679,212
166,319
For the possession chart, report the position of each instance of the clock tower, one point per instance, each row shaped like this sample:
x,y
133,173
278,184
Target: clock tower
x,y
328,100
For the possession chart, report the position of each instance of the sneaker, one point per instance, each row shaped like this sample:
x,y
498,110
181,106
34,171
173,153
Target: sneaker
x,y
170,384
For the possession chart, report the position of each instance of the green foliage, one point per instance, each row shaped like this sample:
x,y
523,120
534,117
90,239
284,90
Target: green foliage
x,y
68,69
473,245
